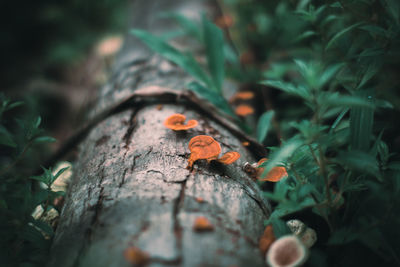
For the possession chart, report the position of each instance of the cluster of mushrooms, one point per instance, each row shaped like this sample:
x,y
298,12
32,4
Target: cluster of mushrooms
x,y
290,250
200,146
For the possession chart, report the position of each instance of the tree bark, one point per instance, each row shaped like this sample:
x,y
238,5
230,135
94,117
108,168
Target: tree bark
x,y
131,186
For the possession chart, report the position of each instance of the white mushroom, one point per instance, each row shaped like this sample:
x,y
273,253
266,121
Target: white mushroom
x,y
287,251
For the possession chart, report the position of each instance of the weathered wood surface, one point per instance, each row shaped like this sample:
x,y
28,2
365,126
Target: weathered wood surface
x,y
131,186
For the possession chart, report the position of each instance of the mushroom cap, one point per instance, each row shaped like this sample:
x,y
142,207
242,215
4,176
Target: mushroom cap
x,y
176,122
136,256
203,147
244,95
229,157
274,175
202,224
287,251
244,110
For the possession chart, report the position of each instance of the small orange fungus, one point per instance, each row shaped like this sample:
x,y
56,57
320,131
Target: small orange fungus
x,y
229,157
274,175
244,110
136,256
244,95
202,224
245,143
266,239
203,147
176,122
200,199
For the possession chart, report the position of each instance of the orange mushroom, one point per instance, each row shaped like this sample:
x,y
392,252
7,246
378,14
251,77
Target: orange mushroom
x,y
266,239
244,95
203,147
244,110
274,175
229,157
202,224
245,143
176,122
136,256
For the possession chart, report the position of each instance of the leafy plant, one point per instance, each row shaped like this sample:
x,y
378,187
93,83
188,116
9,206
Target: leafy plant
x,y
208,79
24,239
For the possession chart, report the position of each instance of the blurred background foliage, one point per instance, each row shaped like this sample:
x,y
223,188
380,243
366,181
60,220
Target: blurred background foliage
x,y
51,65
324,77
43,37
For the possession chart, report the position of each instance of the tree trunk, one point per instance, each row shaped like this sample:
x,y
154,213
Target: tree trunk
x,y
131,186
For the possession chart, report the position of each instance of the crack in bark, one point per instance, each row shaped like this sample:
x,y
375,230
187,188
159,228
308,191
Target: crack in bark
x,y
173,262
131,127
97,210
122,182
175,213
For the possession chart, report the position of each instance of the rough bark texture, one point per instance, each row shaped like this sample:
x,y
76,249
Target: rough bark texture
x,y
131,186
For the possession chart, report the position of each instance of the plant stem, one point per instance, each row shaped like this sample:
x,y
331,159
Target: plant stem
x,y
324,174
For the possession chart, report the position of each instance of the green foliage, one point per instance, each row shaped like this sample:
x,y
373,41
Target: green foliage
x,y
263,125
47,35
24,239
209,79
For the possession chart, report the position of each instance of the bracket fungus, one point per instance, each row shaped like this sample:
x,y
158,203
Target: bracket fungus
x,y
136,256
244,95
176,122
229,157
203,147
287,251
244,110
274,175
202,224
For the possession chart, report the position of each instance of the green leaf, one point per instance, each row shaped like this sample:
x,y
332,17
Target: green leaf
x,y
216,99
341,33
359,161
185,61
329,73
40,178
281,155
288,88
304,35
214,43
369,73
61,171
338,100
14,105
37,122
188,25
361,122
374,30
40,197
6,138
44,139
263,125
